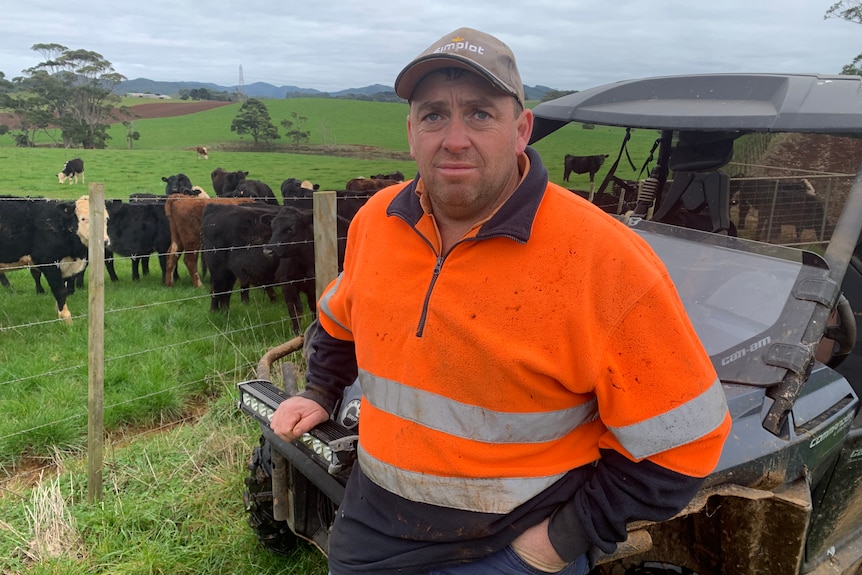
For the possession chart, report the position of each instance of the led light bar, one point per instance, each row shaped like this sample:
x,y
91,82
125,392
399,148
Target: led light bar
x,y
333,445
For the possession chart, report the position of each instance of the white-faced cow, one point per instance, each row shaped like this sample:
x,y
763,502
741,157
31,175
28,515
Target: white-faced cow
x,y
582,165
71,170
202,152
50,235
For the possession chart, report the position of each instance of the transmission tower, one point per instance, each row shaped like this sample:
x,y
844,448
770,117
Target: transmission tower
x,y
240,88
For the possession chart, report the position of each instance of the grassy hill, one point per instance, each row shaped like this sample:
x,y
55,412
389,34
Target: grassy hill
x,y
348,138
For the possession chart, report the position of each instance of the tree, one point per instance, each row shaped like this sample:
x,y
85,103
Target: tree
x,y
253,118
850,10
131,133
72,89
294,128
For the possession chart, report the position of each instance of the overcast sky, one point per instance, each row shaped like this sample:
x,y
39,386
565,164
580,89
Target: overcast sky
x,y
337,44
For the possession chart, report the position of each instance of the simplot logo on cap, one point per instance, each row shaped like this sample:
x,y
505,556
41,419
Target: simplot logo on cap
x,y
457,44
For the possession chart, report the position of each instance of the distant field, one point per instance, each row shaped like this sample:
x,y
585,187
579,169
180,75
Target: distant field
x,y
372,132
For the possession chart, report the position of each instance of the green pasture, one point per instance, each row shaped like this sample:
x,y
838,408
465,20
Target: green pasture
x,y
372,131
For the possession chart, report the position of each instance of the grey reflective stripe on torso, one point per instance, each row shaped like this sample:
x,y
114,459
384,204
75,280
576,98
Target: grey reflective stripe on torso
x,y
469,421
484,495
690,421
323,304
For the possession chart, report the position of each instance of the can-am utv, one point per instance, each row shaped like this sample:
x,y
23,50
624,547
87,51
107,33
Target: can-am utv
x,y
777,321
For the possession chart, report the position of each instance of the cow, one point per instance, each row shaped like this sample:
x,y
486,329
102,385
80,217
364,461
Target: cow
x,y
292,243
582,165
137,229
301,195
225,182
292,187
779,203
369,184
397,175
232,243
50,235
184,214
255,189
177,183
71,170
202,153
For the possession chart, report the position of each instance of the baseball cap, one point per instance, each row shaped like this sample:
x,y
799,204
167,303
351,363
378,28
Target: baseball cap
x,y
468,49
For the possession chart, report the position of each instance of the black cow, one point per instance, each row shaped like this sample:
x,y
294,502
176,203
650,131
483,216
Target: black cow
x,y
582,165
225,182
136,230
177,184
397,175
292,243
780,203
253,189
48,234
232,241
301,195
71,170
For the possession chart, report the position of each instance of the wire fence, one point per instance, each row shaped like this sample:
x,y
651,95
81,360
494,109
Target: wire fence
x,y
147,317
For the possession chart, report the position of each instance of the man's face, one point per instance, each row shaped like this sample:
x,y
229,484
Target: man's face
x,y
466,136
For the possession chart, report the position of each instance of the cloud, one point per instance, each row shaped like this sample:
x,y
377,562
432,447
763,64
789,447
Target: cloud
x,y
342,44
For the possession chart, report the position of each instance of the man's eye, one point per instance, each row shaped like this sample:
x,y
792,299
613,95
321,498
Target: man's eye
x,y
432,117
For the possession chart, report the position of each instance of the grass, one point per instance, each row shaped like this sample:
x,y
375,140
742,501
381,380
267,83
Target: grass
x,y
172,499
171,505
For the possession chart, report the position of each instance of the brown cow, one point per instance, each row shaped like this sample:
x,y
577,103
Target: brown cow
x,y
185,214
202,153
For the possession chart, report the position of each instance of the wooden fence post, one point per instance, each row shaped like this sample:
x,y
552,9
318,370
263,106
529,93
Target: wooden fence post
x,y
325,240
96,343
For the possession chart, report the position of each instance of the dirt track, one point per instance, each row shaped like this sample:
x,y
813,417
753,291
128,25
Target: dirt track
x,y
167,108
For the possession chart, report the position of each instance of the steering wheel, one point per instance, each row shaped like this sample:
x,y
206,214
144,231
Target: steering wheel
x,y
842,334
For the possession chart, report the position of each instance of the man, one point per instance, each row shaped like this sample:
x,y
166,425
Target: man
x,y
522,401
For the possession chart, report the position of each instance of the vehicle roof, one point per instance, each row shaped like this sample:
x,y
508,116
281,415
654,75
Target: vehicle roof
x,y
714,102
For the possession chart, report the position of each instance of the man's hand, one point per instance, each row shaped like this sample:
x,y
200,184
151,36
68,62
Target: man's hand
x,y
534,547
296,416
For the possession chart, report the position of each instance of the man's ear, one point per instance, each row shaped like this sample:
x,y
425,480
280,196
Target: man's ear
x,y
410,137
524,126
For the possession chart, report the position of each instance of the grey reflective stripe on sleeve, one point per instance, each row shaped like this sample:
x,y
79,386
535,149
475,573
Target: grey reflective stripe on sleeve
x,y
688,422
485,495
323,304
469,421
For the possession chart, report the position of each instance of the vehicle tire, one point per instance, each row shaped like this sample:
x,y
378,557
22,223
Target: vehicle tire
x,y
274,535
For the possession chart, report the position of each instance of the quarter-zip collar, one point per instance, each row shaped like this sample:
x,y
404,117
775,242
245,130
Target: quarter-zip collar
x,y
513,219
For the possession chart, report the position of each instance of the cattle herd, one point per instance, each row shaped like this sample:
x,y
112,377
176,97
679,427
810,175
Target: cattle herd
x,y
241,234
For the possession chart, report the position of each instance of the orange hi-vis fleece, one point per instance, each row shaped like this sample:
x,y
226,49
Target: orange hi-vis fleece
x,y
550,332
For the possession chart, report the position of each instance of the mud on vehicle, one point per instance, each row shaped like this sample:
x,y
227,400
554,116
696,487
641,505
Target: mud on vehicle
x,y
777,320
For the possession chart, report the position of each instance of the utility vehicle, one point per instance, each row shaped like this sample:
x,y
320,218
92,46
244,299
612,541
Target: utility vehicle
x,y
777,321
